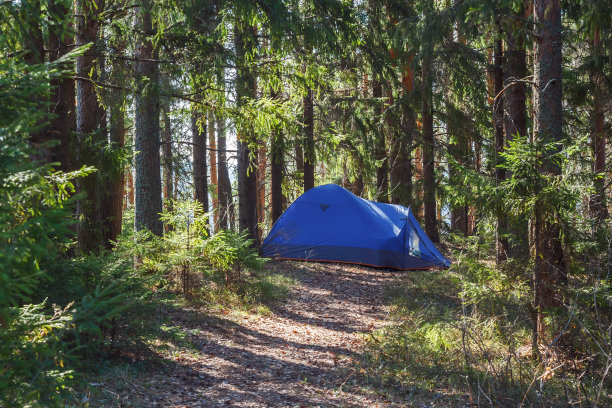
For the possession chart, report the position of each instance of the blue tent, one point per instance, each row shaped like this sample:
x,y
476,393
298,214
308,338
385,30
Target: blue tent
x,y
329,223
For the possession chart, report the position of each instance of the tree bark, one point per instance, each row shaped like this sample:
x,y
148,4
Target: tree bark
x,y
277,170
458,149
549,271
212,140
129,199
501,228
515,98
299,161
401,151
166,159
63,124
309,146
34,54
429,182
380,150
200,177
88,125
247,165
262,164
417,198
116,179
147,183
34,45
225,187
598,205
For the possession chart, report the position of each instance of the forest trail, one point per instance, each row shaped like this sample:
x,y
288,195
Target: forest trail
x,y
300,355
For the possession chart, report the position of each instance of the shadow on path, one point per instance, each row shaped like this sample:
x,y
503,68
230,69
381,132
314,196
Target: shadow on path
x,y
297,356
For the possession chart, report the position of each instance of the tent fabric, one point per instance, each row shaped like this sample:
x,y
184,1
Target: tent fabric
x,y
329,223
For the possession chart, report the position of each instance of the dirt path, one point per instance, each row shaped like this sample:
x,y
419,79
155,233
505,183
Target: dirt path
x,y
298,356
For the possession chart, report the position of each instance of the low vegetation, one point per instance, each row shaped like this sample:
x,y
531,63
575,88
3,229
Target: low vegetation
x,y
468,331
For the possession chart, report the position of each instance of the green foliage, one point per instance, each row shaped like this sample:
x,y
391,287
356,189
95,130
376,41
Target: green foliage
x,y
40,342
528,187
467,330
220,269
228,250
32,356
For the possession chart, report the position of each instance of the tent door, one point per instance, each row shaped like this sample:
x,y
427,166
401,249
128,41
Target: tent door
x,y
412,242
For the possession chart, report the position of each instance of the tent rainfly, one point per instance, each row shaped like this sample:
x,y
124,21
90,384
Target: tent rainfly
x,y
329,223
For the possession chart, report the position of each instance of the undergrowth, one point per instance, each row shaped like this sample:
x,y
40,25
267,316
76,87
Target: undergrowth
x,y
465,333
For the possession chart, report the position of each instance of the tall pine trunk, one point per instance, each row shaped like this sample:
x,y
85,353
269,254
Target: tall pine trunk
x,y
147,183
549,271
246,89
380,151
225,187
515,101
88,126
33,54
459,150
276,169
501,227
214,180
63,95
129,189
261,185
309,145
598,206
200,176
166,158
429,182
116,180
400,173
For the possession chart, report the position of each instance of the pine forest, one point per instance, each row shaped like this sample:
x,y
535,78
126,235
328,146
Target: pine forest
x,y
149,147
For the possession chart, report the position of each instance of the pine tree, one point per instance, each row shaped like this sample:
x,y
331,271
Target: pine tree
x,y
245,41
147,183
200,173
549,271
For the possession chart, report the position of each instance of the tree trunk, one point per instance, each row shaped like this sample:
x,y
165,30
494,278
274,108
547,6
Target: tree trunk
x,y
116,180
88,122
262,164
401,151
63,95
277,170
458,149
147,183
34,53
501,228
212,140
380,151
515,98
34,45
299,161
597,205
309,146
429,183
225,187
417,198
200,178
166,159
549,271
245,89
129,199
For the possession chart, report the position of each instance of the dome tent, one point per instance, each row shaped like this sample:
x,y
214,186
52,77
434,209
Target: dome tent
x,y
329,223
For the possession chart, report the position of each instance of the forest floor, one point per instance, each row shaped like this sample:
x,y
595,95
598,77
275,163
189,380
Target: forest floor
x,y
304,352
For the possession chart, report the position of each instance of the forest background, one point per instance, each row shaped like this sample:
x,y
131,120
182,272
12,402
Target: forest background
x,y
147,147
